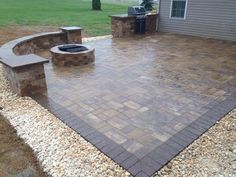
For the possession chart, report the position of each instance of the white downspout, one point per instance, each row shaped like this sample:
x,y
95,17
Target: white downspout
x,y
158,17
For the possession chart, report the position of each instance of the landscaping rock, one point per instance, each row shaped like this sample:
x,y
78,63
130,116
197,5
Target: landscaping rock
x,y
213,154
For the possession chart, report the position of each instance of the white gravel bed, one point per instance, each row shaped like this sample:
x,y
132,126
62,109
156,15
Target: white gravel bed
x,y
60,151
211,155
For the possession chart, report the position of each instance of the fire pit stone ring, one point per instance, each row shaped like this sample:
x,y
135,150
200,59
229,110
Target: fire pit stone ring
x,y
72,55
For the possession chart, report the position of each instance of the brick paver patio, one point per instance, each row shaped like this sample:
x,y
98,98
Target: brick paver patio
x,y
145,99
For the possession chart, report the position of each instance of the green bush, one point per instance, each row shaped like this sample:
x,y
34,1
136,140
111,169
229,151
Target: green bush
x,y
96,5
148,4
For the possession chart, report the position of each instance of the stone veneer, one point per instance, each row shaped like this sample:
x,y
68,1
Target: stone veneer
x,y
73,34
124,25
42,42
62,58
26,80
23,69
151,23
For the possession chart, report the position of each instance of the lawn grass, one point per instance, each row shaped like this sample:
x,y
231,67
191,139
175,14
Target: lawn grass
x,y
59,13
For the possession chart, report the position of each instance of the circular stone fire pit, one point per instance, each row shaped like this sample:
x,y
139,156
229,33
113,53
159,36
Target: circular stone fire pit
x,y
72,54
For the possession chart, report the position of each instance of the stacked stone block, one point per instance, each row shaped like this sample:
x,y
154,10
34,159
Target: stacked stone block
x,y
61,58
27,80
122,27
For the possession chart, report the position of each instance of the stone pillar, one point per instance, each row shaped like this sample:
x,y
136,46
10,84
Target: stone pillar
x,y
122,26
73,34
151,23
26,80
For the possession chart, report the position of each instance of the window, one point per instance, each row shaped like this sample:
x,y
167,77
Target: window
x,y
178,9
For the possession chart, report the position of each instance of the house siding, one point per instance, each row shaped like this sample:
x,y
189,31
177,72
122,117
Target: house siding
x,y
205,18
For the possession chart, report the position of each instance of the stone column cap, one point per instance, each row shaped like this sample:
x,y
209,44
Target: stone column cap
x,y
71,28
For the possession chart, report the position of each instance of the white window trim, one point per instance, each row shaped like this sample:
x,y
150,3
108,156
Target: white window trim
x,y
185,11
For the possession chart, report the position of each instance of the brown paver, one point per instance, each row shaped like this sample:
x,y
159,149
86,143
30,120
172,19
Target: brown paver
x,y
145,98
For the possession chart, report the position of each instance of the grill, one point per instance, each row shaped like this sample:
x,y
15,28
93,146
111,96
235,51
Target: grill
x,y
140,18
72,48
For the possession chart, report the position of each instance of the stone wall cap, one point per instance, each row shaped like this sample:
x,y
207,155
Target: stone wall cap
x,y
14,61
122,16
71,28
152,14
10,45
1,51
55,49
130,16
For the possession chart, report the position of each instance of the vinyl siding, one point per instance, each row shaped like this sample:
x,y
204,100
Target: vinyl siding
x,y
205,18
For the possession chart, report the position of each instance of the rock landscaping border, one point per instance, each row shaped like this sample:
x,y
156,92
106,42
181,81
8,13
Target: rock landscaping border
x,y
156,159
212,154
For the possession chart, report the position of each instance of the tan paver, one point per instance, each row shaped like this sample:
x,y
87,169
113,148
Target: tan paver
x,y
149,92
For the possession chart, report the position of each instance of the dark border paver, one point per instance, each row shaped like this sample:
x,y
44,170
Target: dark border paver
x,y
147,165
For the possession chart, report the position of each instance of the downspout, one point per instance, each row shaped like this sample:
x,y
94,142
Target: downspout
x,y
158,15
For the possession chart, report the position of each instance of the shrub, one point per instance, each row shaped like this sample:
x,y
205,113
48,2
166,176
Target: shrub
x,y
148,4
96,5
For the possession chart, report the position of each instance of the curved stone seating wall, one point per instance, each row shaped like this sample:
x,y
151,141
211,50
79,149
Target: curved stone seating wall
x,y
41,41
24,69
